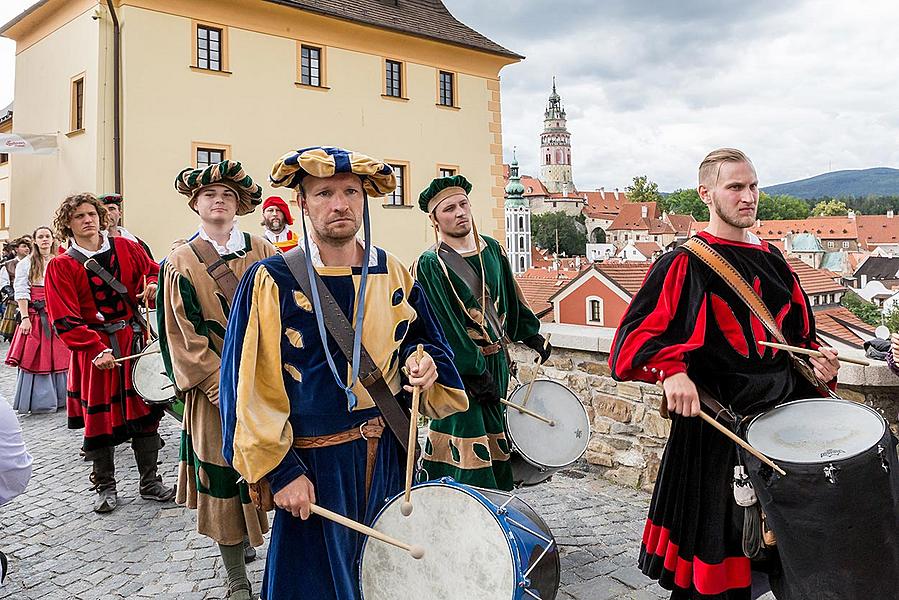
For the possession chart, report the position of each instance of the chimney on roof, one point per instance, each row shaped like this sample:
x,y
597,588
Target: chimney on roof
x,y
851,215
617,194
644,211
889,214
758,222
577,262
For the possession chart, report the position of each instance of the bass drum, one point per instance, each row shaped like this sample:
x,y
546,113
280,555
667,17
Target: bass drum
x,y
836,513
479,545
538,449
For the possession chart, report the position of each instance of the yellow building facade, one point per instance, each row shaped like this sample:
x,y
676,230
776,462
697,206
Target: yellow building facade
x,y
250,80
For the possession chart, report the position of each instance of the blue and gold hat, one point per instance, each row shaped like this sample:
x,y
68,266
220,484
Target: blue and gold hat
x,y
228,173
377,176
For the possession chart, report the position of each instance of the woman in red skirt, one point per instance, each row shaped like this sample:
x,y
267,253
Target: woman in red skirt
x,y
42,358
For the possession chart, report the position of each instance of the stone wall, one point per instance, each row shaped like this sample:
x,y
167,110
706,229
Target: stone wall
x,y
628,434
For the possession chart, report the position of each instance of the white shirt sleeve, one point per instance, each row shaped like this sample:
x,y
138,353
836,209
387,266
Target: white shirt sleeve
x,y
15,462
4,277
20,285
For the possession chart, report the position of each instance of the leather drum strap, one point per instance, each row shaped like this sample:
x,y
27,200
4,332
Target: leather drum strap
x,y
342,331
217,268
719,265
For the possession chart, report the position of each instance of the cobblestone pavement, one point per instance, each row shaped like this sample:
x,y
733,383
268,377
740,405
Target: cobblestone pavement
x,y
59,549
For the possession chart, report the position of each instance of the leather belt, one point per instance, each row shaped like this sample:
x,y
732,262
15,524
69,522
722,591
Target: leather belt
x,y
370,431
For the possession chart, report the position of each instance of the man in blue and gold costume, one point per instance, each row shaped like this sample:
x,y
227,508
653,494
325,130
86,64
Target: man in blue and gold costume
x,y
293,408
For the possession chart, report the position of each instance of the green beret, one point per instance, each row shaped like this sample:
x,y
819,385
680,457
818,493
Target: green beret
x,y
228,173
441,189
110,199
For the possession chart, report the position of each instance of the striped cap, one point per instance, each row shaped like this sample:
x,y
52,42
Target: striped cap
x,y
326,161
228,173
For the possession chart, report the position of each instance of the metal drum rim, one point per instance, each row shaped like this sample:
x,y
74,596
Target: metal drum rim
x,y
135,385
527,458
466,489
829,400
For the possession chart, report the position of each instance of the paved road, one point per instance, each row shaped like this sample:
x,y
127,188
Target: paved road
x,y
59,549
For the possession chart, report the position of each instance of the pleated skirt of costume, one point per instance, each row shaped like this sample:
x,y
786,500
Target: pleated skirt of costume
x,y
104,403
317,559
43,361
471,447
692,542
207,484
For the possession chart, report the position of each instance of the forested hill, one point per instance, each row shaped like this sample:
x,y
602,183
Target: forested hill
x,y
879,181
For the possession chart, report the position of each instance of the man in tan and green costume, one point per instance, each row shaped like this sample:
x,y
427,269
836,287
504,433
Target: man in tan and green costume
x,y
192,320
471,446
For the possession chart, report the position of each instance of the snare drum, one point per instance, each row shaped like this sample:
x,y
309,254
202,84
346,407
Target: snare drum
x,y
836,513
539,450
149,378
479,544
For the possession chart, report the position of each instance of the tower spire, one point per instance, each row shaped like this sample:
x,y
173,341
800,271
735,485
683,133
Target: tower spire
x,y
555,147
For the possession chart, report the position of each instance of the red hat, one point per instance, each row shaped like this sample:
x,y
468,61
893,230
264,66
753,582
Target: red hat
x,y
280,204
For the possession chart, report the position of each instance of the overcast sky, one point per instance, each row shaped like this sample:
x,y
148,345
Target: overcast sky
x,y
802,86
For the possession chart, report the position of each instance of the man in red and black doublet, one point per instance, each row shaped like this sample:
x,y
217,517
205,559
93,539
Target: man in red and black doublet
x,y
686,320
94,321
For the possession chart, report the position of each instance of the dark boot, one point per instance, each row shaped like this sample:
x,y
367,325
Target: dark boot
x,y
146,454
249,552
103,478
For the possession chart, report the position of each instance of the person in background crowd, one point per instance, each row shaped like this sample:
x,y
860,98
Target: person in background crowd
x,y
36,349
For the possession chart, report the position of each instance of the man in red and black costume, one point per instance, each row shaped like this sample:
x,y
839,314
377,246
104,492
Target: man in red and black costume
x,y
99,324
687,328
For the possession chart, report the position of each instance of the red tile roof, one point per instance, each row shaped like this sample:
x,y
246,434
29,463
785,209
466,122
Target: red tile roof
x,y
631,216
628,276
836,322
681,223
815,281
603,205
533,186
827,228
538,285
877,229
647,249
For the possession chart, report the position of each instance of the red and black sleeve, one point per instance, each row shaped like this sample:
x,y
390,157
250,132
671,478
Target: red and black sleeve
x,y
666,319
65,309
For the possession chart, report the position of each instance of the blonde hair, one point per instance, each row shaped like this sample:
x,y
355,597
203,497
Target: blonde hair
x,y
711,165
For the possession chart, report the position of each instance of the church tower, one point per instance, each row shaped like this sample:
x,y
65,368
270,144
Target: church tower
x,y
555,147
518,222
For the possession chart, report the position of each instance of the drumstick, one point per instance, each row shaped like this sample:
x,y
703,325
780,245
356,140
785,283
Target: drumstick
x,y
740,442
146,313
529,412
124,358
527,396
815,353
415,551
406,506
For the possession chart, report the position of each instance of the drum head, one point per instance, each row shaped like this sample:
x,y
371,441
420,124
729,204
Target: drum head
x,y
149,378
552,447
818,430
466,556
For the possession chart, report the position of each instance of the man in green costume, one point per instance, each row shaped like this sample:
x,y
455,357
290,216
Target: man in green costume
x,y
460,275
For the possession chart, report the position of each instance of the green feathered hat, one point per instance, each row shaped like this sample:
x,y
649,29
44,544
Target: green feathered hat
x,y
228,173
441,189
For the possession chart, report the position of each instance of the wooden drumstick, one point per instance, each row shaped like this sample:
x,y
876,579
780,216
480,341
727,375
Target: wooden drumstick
x,y
527,396
124,358
528,412
417,552
146,313
406,506
815,353
740,442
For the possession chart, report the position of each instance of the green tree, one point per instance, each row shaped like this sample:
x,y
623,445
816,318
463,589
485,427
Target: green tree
x,y
830,208
643,190
865,311
685,202
572,239
776,208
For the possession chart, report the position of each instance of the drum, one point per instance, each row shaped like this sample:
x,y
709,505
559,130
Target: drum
x,y
149,378
478,543
836,512
538,449
151,321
